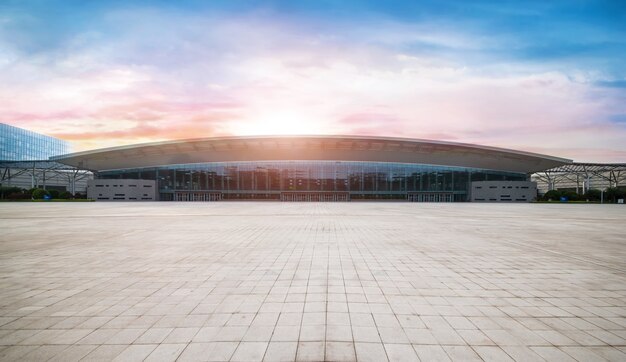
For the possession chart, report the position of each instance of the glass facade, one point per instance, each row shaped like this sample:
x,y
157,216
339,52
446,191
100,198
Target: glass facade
x,y
313,180
17,144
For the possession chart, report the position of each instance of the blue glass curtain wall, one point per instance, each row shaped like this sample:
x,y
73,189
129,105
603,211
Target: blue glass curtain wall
x,y
359,179
17,144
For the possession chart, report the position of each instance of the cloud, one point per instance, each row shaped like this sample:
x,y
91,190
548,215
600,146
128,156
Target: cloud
x,y
143,131
145,73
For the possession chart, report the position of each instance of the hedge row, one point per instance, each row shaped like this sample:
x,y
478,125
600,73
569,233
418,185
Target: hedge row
x,y
17,193
610,195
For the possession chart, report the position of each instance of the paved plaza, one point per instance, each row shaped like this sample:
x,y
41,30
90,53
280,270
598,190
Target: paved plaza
x,y
251,281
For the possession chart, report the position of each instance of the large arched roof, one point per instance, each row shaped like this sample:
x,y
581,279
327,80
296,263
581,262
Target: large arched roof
x,y
330,148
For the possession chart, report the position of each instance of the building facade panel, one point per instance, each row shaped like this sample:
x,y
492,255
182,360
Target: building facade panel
x,y
121,190
503,191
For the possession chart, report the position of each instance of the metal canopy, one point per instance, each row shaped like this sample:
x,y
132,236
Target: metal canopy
x,y
583,176
589,167
40,170
38,164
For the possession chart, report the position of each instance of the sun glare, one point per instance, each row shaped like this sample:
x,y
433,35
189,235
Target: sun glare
x,y
278,123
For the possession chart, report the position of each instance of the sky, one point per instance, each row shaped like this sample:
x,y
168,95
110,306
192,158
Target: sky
x,y
540,76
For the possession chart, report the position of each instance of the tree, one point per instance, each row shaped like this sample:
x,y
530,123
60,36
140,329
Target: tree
x,y
54,194
39,194
593,195
65,195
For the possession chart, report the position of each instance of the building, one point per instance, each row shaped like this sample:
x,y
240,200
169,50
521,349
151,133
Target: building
x,y
499,191
17,144
121,190
311,168
24,161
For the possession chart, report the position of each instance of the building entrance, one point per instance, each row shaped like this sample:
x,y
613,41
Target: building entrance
x,y
430,197
315,196
197,196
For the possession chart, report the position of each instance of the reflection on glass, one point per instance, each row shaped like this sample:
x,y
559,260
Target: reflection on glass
x,y
361,180
17,144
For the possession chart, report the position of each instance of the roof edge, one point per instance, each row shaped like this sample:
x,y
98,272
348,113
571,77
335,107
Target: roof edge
x,y
352,137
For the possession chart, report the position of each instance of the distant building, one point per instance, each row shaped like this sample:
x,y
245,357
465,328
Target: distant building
x,y
17,144
24,162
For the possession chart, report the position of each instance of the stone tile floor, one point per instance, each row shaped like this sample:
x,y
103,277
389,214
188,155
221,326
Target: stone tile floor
x,y
312,281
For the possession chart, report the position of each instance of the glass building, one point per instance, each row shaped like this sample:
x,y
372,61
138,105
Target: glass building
x,y
17,144
311,168
312,180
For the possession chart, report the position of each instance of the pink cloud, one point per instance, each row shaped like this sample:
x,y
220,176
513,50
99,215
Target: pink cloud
x,y
276,77
144,131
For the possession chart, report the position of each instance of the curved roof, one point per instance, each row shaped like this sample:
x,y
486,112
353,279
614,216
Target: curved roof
x,y
330,148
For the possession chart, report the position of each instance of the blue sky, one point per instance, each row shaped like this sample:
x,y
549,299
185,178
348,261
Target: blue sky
x,y
544,76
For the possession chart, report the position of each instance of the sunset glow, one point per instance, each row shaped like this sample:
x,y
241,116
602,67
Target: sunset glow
x,y
547,77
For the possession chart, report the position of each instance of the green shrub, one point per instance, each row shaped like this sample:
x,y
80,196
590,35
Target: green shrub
x,y
65,195
5,191
554,195
592,195
54,194
612,194
39,194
